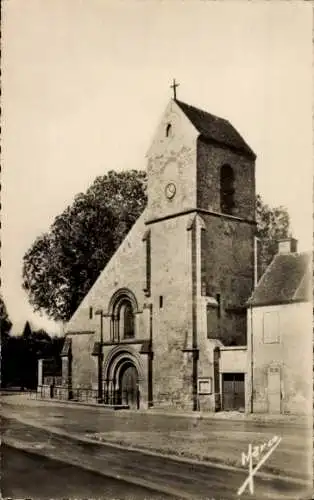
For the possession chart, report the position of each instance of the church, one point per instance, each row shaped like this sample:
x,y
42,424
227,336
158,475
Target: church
x,y
168,323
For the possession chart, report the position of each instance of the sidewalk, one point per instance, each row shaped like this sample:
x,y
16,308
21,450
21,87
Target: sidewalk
x,y
299,420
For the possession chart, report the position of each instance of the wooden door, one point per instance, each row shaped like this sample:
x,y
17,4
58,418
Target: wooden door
x,y
233,391
129,387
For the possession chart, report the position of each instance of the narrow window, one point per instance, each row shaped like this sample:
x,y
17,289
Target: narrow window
x,y
147,241
168,130
271,328
161,302
90,313
226,189
126,320
212,322
218,299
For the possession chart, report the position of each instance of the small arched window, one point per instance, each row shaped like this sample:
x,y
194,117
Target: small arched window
x,y
168,130
226,189
126,320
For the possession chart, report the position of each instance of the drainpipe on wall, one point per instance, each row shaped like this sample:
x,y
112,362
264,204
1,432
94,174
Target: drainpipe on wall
x,y
192,226
194,316
151,355
252,366
256,240
255,260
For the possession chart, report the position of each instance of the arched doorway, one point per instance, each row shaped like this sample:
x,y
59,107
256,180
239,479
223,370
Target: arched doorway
x,y
129,386
124,378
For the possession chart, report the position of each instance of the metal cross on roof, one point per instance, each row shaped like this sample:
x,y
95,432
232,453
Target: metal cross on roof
x,y
174,87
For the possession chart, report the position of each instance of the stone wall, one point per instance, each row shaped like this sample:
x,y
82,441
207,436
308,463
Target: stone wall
x,y
172,159
172,319
292,355
210,159
126,269
84,365
228,247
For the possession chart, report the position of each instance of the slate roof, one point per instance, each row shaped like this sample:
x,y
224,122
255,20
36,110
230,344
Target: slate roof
x,y
215,128
287,279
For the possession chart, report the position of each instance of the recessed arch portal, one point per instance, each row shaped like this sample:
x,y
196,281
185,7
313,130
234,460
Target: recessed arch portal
x,y
124,377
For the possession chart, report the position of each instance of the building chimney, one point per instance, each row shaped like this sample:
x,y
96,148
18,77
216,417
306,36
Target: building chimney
x,y
287,245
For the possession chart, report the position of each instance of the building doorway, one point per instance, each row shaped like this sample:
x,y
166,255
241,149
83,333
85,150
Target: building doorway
x,y
233,392
129,387
274,390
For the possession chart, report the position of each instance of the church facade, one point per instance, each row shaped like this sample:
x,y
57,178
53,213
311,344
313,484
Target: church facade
x,y
165,324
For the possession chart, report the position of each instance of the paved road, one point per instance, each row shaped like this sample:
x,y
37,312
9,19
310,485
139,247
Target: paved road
x,y
227,437
179,479
25,475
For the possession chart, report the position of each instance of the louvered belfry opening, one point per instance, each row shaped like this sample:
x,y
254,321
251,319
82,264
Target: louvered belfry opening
x,y
226,189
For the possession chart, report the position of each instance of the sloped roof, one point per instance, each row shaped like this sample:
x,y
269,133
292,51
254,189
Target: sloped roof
x,y
287,279
215,128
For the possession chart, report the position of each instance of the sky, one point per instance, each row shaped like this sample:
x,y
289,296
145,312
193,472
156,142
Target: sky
x,y
85,83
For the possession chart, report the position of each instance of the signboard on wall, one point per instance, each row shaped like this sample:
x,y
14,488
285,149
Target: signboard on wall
x,y
205,386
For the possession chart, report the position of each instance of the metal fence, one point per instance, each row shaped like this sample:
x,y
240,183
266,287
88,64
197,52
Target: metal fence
x,y
116,397
111,397
64,393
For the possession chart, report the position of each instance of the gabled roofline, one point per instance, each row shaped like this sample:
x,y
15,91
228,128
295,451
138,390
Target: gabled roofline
x,y
222,145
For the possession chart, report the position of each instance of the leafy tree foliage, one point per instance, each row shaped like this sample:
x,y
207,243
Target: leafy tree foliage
x,y
62,265
20,354
5,322
273,224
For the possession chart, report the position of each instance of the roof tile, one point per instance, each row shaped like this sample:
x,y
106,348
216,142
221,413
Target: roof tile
x,y
287,279
215,128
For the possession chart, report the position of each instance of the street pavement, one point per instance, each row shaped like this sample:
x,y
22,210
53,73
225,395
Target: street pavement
x,y
181,479
28,475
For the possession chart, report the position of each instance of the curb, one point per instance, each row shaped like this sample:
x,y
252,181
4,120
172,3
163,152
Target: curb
x,y
218,465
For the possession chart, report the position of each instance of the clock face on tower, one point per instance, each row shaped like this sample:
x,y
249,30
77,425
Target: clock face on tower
x,y
170,190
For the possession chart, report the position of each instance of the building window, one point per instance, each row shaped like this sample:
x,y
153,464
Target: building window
x,y
226,189
218,299
168,130
126,320
161,302
212,322
122,308
147,241
271,329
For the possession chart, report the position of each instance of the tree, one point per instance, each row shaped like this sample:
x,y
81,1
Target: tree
x,y
62,265
5,322
273,224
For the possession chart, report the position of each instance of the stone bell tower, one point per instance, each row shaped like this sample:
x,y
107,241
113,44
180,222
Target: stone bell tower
x,y
201,220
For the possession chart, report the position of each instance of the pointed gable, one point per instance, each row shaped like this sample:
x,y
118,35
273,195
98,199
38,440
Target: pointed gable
x,y
215,129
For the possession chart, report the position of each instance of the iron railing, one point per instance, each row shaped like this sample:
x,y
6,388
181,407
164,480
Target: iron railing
x,y
111,396
64,393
